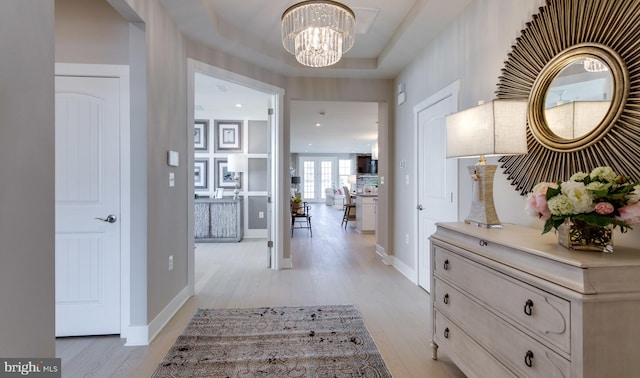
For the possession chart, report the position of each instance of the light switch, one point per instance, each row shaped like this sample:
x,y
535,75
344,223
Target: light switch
x,y
172,179
173,158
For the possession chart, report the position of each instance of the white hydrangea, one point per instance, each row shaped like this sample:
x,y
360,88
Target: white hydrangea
x,y
560,205
597,185
603,174
579,176
579,196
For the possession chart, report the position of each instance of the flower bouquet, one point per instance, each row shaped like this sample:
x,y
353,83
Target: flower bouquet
x,y
587,207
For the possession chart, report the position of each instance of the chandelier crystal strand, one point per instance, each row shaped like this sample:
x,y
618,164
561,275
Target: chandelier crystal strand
x,y
317,33
594,65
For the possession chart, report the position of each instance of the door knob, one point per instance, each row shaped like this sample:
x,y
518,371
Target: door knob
x,y
109,219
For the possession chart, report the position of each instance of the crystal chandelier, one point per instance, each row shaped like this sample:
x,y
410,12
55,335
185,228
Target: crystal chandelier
x,y
594,65
317,33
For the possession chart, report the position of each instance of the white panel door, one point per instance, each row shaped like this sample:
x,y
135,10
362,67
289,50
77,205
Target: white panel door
x,y
437,179
87,187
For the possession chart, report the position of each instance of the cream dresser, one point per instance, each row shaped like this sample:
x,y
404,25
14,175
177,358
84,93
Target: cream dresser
x,y
511,302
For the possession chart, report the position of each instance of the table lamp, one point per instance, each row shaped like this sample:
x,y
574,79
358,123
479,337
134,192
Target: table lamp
x,y
494,128
237,163
295,181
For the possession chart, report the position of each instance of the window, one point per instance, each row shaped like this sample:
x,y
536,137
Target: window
x,y
309,184
344,171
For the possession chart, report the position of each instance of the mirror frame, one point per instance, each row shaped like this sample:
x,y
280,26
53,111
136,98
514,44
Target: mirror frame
x,y
561,32
537,120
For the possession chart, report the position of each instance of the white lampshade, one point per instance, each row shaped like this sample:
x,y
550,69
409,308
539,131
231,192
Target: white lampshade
x,y
494,128
237,163
575,119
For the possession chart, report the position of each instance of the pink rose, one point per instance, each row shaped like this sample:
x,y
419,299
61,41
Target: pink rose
x,y
537,206
604,208
541,188
630,214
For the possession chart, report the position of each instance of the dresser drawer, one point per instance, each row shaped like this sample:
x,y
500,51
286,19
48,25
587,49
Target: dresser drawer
x,y
509,344
468,355
546,316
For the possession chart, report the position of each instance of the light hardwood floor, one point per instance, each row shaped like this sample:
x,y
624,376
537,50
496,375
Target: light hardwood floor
x,y
335,266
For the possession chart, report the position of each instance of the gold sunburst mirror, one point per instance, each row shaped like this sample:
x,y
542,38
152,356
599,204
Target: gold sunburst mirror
x,y
577,63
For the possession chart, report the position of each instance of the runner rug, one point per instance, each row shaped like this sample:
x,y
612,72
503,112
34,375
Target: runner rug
x,y
322,341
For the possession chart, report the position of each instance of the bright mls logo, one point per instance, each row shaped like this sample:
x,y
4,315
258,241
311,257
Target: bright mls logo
x,y
30,367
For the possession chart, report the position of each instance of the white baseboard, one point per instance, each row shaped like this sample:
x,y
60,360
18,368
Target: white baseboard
x,y
137,335
166,314
405,270
386,259
286,263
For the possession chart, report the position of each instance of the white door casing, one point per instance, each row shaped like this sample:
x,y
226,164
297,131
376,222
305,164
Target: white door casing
x,y
437,177
87,187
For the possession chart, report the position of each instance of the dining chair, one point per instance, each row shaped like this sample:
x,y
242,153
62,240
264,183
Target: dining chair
x,y
348,206
301,218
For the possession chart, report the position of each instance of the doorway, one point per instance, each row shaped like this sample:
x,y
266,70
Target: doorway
x,y
437,177
218,95
91,248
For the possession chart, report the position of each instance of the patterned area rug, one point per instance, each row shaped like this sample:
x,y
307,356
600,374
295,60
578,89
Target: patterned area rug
x,y
322,341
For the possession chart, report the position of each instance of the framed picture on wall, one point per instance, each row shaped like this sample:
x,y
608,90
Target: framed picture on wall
x,y
228,136
224,178
201,135
200,173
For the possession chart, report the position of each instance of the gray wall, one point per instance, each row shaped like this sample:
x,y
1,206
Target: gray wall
x,y
258,137
473,50
165,128
27,219
90,31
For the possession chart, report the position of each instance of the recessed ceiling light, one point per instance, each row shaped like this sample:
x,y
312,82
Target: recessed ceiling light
x,y
309,143
238,105
317,124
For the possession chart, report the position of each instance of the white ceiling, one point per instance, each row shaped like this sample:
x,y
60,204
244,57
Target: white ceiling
x,y
250,30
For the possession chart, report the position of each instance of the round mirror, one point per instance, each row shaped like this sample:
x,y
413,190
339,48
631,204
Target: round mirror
x,y
578,98
561,37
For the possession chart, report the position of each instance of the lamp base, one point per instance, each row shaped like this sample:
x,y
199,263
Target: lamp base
x,y
483,212
236,190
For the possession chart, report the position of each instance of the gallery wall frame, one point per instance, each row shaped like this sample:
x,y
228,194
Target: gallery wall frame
x,y
228,135
201,173
201,135
224,178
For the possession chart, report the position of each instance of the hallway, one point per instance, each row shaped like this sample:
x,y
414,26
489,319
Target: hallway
x,y
335,266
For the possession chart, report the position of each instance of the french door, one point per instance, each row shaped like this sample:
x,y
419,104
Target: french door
x,y
317,174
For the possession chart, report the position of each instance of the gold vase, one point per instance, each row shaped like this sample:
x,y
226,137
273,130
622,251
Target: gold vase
x,y
580,236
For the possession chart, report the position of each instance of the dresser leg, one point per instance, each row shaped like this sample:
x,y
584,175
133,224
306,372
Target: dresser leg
x,y
434,351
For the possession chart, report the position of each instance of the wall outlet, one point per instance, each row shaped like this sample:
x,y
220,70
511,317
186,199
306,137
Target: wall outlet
x,y
406,238
171,263
261,214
